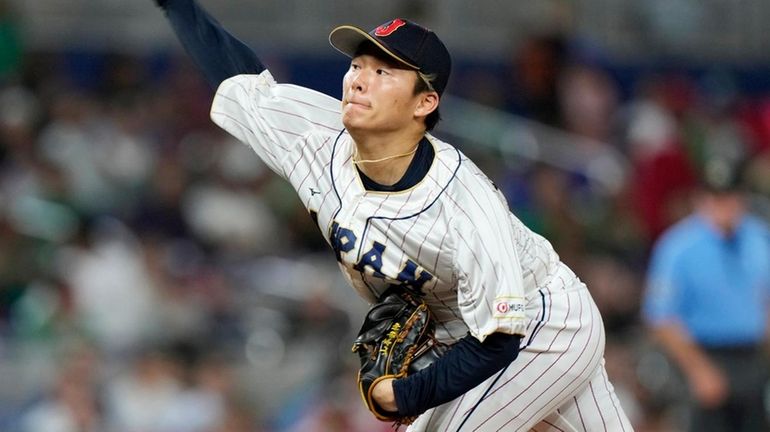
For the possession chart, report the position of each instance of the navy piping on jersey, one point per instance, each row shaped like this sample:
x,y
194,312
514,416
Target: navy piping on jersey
x,y
371,218
339,208
415,172
423,391
334,184
481,399
540,322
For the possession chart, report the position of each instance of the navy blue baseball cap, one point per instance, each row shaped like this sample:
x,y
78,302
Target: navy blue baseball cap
x,y
411,44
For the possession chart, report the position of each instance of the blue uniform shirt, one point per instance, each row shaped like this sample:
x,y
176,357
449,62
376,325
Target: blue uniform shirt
x,y
717,287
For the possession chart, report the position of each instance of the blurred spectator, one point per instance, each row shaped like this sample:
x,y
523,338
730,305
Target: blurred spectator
x,y
158,210
72,405
182,387
230,217
758,180
68,141
536,65
755,116
543,199
113,297
663,175
708,290
588,101
138,397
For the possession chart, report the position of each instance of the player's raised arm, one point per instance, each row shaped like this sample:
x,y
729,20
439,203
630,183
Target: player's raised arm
x,y
218,53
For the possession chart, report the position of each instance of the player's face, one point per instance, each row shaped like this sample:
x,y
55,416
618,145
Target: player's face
x,y
378,95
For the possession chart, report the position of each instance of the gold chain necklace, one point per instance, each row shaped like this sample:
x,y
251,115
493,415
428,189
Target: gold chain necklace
x,y
360,161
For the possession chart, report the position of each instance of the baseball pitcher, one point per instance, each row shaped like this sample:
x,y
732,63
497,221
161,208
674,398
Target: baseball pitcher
x,y
476,325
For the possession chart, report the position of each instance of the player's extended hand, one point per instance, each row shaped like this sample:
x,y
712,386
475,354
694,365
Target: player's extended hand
x,y
382,393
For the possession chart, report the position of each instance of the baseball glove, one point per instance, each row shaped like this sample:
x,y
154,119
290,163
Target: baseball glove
x,y
395,340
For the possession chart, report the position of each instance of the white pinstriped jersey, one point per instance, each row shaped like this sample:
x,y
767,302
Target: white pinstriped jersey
x,y
451,235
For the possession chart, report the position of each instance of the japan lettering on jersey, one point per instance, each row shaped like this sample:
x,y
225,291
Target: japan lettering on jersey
x,y
451,236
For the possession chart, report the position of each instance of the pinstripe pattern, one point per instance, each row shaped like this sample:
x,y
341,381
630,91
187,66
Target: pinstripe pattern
x,y
551,383
453,237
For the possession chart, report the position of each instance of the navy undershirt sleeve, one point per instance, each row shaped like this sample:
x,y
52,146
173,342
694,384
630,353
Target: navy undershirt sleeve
x,y
217,53
462,368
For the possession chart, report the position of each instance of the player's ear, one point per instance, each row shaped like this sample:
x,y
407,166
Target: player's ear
x,y
427,104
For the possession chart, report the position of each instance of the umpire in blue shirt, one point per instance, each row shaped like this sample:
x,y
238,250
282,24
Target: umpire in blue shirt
x,y
706,303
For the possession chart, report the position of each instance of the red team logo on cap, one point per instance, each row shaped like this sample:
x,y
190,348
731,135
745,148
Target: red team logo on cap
x,y
387,29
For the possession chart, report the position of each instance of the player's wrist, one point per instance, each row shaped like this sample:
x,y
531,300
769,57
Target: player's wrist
x,y
383,394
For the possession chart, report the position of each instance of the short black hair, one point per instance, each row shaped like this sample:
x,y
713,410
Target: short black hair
x,y
420,85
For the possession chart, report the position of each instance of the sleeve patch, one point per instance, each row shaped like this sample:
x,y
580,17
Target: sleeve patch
x,y
509,307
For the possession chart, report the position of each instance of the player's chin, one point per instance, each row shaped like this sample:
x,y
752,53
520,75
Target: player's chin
x,y
353,121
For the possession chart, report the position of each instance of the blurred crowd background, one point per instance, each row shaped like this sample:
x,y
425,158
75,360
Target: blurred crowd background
x,y
155,276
